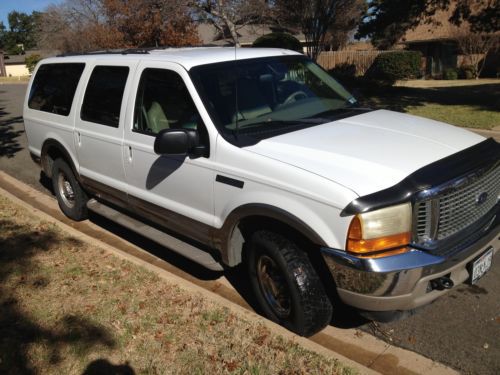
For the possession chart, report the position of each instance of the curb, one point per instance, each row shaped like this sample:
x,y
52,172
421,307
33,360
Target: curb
x,y
188,286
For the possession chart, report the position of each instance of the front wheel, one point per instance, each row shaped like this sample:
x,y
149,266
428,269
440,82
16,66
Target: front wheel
x,y
286,285
70,196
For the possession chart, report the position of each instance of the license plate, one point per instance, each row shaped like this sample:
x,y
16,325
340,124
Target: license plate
x,y
481,265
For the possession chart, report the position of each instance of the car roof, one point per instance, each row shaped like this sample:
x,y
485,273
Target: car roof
x,y
187,57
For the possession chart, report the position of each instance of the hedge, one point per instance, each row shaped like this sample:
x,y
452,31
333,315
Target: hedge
x,y
393,66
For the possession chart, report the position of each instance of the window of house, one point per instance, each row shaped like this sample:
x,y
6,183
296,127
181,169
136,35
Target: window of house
x,y
54,87
104,95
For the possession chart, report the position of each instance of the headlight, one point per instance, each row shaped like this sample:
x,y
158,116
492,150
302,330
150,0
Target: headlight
x,y
381,232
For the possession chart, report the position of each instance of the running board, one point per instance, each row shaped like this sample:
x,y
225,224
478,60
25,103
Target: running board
x,y
189,251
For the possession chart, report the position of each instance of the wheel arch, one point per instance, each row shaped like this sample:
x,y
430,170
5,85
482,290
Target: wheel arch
x,y
231,237
51,150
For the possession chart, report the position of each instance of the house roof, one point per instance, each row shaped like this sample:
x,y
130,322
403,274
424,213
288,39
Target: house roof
x,y
19,59
247,34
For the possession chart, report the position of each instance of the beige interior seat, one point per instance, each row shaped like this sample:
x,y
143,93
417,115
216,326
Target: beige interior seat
x,y
156,118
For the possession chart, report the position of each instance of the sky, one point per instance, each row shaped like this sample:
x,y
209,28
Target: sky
x,y
26,6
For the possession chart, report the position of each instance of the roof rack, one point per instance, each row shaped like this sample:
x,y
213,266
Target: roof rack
x,y
140,51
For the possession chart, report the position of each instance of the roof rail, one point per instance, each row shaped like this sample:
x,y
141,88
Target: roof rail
x,y
140,51
126,51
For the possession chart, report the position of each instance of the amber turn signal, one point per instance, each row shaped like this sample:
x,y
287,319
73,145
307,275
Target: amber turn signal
x,y
375,247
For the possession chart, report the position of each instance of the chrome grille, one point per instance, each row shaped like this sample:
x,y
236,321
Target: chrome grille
x,y
452,211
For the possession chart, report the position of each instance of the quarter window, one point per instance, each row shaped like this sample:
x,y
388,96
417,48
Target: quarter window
x,y
104,95
54,87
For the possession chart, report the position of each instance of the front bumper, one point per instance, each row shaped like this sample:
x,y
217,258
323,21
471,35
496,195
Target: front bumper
x,y
401,282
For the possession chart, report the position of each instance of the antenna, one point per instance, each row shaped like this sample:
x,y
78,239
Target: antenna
x,y
236,92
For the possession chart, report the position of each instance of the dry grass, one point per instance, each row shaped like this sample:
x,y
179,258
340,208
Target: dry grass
x,y
475,105
70,308
426,83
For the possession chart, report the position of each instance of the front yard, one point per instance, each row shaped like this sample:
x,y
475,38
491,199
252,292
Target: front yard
x,y
472,104
70,308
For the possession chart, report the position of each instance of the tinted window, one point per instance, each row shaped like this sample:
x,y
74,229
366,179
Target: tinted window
x,y
163,102
54,87
103,98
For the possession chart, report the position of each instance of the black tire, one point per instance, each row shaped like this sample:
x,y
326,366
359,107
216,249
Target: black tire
x,y
301,304
70,196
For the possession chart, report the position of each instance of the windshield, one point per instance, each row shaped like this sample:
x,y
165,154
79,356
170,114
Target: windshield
x,y
260,98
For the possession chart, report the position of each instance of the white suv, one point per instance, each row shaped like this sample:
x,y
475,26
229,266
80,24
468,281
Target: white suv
x,y
258,156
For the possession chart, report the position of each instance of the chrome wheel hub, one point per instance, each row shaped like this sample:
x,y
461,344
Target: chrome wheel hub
x,y
66,190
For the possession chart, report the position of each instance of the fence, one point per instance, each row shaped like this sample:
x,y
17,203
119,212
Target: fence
x,y
362,60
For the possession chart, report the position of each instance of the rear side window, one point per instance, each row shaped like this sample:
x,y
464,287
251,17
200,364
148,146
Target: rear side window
x,y
104,95
54,87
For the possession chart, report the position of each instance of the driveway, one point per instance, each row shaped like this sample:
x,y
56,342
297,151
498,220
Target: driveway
x,y
461,330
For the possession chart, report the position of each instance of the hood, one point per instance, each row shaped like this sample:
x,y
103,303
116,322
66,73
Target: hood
x,y
369,152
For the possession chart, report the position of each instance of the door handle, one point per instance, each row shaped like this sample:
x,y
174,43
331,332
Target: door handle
x,y
78,138
130,153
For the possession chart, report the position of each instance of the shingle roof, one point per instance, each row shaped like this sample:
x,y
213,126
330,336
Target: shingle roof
x,y
19,59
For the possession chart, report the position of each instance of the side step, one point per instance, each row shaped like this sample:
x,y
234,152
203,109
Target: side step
x,y
189,251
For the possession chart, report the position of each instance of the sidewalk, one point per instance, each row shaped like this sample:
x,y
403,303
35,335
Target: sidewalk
x,y
494,133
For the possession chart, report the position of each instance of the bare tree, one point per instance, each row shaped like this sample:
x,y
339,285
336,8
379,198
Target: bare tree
x,y
476,46
314,17
83,25
228,16
343,28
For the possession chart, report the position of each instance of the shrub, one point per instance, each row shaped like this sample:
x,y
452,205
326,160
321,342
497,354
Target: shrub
x,y
450,74
467,72
31,62
278,40
393,66
344,70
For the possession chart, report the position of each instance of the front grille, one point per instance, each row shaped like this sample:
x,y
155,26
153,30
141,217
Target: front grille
x,y
456,209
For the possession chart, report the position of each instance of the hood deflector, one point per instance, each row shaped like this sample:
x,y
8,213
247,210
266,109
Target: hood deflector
x,y
482,155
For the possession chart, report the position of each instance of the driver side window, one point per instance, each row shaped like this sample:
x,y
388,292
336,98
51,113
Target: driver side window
x,y
163,102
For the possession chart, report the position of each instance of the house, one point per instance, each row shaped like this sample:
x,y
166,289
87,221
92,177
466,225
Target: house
x,y
15,66
435,38
247,34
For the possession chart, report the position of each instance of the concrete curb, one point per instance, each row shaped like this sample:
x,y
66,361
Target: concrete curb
x,y
493,133
188,286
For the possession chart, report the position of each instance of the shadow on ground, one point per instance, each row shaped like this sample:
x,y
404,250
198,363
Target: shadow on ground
x,y
344,316
18,330
9,144
481,97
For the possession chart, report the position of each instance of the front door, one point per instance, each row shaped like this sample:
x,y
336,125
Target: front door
x,y
173,191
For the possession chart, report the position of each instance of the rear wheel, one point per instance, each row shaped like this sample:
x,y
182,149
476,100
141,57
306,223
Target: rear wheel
x,y
70,196
286,285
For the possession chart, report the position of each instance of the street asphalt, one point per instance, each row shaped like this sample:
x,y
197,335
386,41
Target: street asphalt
x,y
461,330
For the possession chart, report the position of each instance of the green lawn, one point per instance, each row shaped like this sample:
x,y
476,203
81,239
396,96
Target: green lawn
x,y
473,106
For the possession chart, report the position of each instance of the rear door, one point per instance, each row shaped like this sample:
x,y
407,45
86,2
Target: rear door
x,y
99,129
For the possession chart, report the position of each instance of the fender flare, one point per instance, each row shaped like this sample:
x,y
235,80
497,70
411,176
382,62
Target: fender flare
x,y
223,236
50,143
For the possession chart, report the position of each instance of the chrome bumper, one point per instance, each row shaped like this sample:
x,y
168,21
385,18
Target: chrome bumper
x,y
401,282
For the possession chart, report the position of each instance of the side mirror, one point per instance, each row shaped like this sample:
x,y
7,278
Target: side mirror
x,y
176,142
